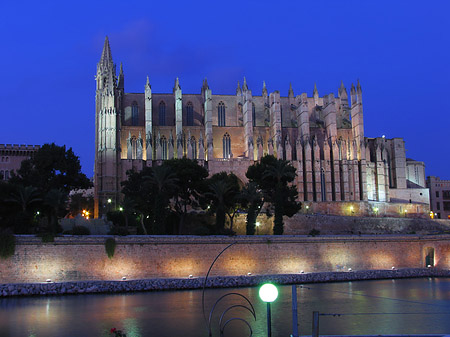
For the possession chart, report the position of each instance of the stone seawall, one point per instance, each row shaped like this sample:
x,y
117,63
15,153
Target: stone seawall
x,y
90,287
71,258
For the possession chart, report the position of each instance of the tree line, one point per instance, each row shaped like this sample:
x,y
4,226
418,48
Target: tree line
x,y
176,197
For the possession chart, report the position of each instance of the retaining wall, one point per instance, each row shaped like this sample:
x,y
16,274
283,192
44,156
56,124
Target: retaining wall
x,y
147,257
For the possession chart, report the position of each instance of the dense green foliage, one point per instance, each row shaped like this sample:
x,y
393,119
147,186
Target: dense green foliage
x,y
7,244
110,247
39,190
274,177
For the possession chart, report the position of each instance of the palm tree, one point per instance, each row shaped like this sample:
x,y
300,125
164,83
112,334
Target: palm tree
x,y
220,190
252,199
25,197
164,182
56,200
283,197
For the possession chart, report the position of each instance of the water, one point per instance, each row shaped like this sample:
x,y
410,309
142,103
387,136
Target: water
x,y
179,313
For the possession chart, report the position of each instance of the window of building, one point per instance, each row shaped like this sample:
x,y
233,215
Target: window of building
x,y
221,114
226,146
164,155
189,114
2,174
437,194
446,206
446,195
162,113
253,114
438,206
6,175
133,147
134,114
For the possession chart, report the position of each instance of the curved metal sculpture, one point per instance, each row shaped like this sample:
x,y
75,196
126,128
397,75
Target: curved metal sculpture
x,y
250,308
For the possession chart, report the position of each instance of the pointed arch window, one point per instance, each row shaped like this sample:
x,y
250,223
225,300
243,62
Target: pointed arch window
x,y
194,147
162,113
189,114
253,114
164,155
134,114
226,146
221,114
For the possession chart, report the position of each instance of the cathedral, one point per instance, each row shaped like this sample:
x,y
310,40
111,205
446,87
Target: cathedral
x,y
339,170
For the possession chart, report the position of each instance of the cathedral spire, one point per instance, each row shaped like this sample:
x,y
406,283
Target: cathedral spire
x,y
205,84
358,87
176,85
315,92
291,91
238,89
244,86
264,91
147,84
106,57
120,81
342,91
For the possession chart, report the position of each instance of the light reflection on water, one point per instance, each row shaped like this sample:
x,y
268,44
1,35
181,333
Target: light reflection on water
x,y
179,313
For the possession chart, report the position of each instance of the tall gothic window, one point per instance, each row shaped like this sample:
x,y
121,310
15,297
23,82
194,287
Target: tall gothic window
x,y
189,114
226,146
164,148
162,113
194,147
134,114
221,114
253,114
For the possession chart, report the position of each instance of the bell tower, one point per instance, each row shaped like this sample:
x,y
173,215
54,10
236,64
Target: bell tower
x,y
107,137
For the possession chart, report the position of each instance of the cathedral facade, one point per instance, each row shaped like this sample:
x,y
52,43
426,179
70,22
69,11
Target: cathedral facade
x,y
323,137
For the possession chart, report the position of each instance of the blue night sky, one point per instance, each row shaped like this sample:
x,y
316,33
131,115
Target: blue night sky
x,y
398,49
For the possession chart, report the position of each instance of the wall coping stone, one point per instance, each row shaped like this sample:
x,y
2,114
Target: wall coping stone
x,y
217,239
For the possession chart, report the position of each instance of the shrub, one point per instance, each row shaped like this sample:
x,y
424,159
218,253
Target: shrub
x,y
314,232
47,237
7,244
110,247
81,230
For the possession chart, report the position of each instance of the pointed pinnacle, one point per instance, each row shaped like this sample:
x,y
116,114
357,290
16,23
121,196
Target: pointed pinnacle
x,y
244,86
315,90
177,84
264,88
121,69
352,90
205,83
291,91
106,53
148,82
342,86
358,86
238,89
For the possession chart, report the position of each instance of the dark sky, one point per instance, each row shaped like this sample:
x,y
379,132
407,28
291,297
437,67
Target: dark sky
x,y
398,49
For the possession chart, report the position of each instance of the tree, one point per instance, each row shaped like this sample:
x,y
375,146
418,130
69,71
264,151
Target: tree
x,y
252,200
52,167
190,186
55,200
139,193
164,184
224,193
274,177
19,204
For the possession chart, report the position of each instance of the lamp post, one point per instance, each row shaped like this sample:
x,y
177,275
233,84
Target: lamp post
x,y
268,293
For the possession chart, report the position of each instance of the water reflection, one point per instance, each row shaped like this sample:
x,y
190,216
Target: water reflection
x,y
179,313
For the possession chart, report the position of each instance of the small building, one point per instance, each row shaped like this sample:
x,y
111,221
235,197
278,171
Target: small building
x,y
11,157
439,197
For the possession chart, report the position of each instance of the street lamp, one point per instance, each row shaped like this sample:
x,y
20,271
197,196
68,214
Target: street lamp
x,y
268,293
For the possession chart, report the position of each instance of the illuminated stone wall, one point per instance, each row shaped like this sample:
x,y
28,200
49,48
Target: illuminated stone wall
x,y
84,258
